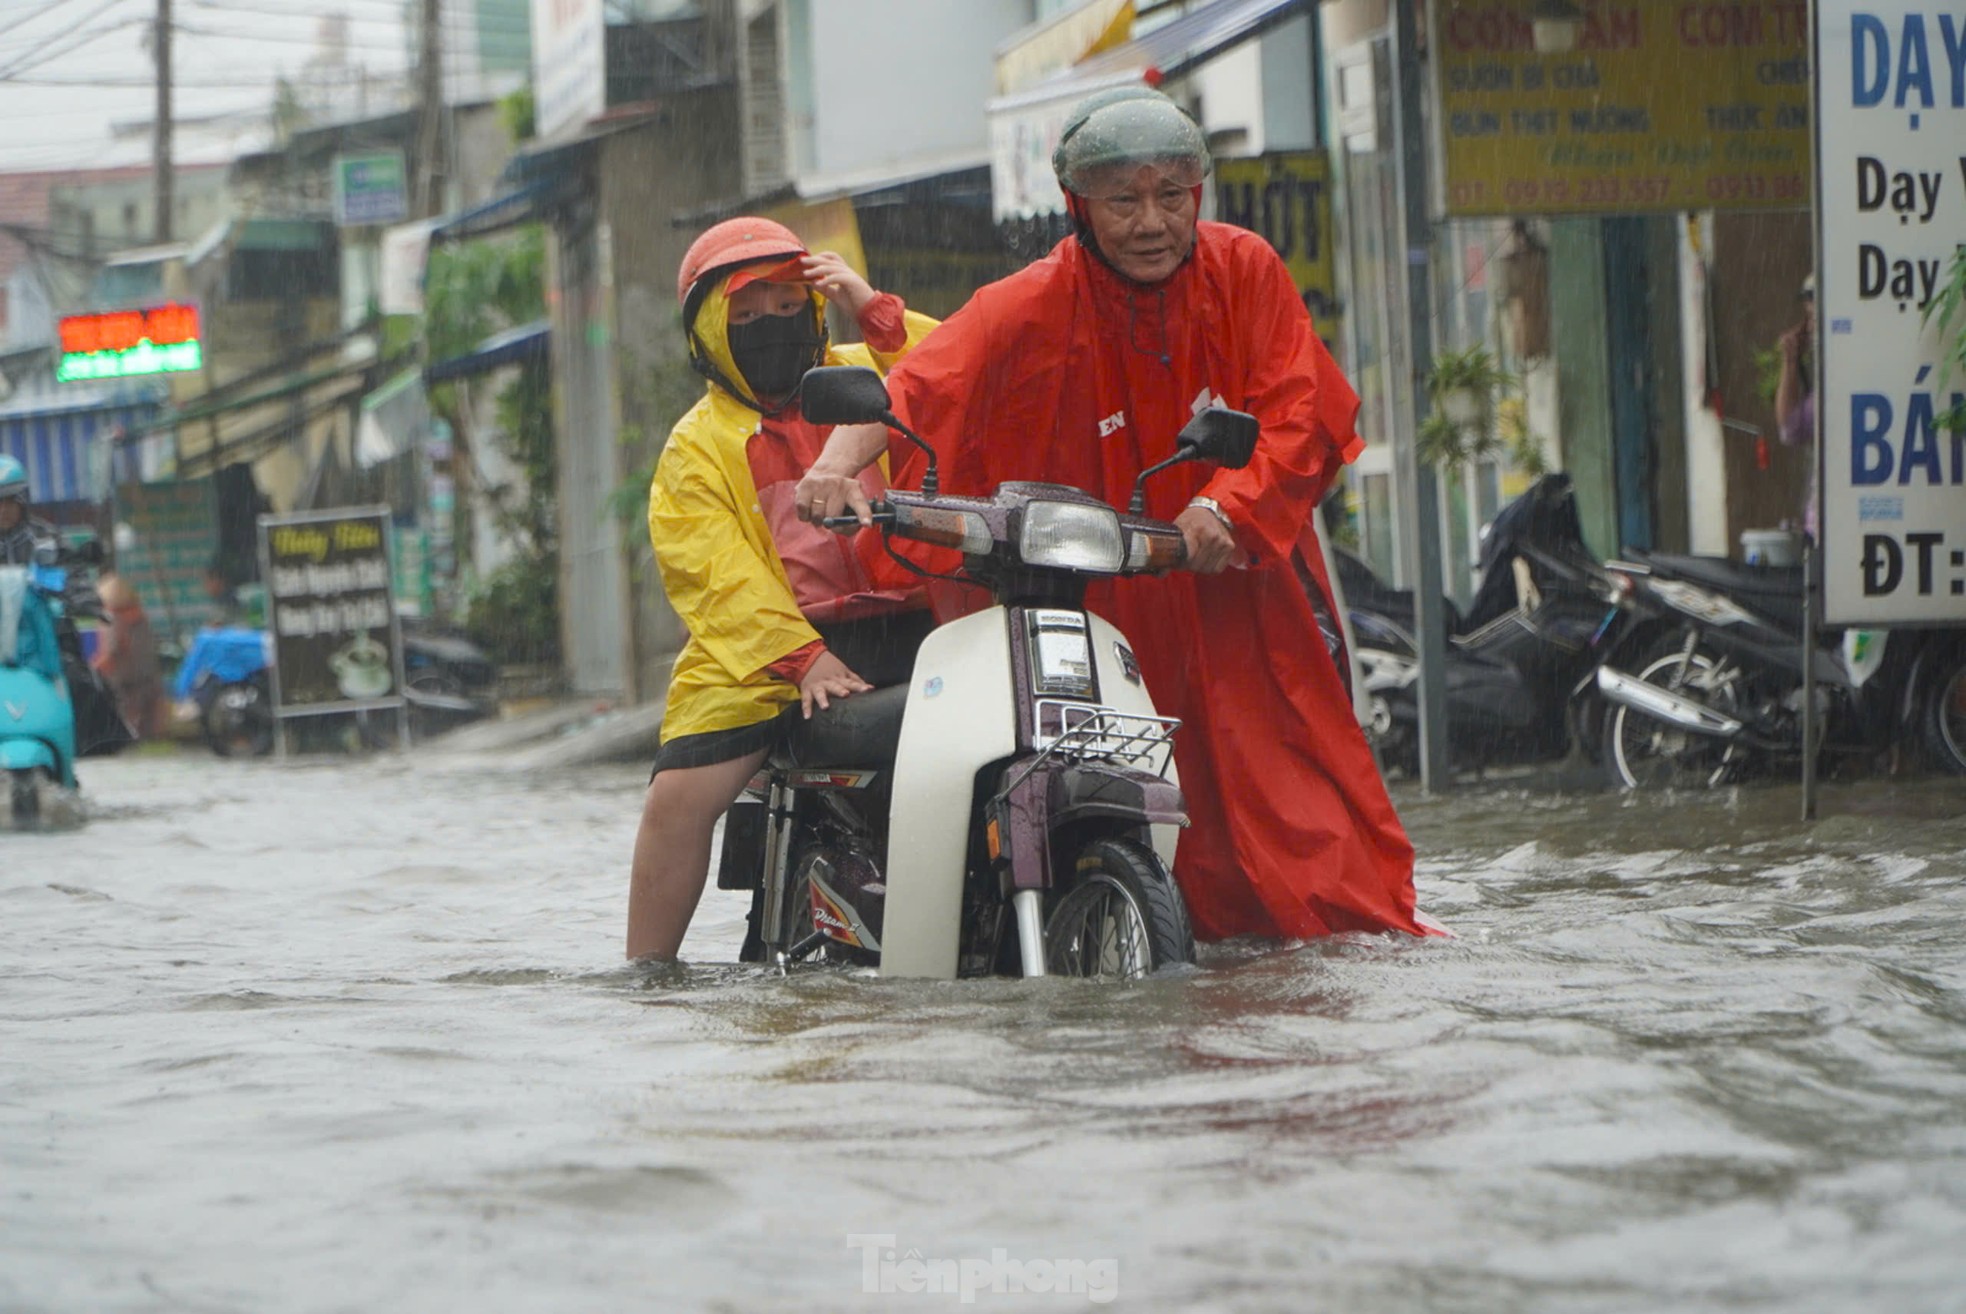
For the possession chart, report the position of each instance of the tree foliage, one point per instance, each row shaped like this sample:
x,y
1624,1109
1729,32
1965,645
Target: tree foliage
x,y
471,291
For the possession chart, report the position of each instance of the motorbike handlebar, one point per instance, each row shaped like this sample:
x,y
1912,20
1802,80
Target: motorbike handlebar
x,y
883,514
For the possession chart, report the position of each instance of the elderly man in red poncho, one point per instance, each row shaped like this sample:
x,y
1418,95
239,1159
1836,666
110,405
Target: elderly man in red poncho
x,y
1081,369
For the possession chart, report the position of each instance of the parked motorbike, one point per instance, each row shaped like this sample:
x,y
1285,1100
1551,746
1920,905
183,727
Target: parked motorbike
x,y
1705,687
37,715
1012,807
447,680
224,676
1534,629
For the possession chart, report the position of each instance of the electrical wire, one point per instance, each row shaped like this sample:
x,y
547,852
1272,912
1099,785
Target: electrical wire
x,y
77,36
25,19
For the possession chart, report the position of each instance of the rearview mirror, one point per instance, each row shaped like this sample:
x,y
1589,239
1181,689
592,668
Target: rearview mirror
x,y
843,394
1225,437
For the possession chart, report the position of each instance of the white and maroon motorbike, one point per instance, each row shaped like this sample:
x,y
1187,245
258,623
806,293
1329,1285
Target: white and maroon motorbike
x,y
1012,808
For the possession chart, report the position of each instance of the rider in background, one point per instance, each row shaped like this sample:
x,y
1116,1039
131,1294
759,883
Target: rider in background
x,y
1081,369
20,532
780,613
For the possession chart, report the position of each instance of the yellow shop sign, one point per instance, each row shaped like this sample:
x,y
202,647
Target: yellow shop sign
x,y
1659,106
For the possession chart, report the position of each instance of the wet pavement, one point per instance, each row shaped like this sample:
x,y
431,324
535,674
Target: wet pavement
x,y
354,1036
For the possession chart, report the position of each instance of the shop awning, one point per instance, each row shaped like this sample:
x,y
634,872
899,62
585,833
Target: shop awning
x,y
1025,124
507,348
1181,44
63,432
523,204
66,450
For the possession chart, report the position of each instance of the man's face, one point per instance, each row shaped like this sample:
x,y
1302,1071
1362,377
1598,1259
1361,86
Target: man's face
x,y
11,514
1143,220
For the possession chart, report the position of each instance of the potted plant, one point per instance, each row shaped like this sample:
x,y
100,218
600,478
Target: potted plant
x,y
1949,308
1464,387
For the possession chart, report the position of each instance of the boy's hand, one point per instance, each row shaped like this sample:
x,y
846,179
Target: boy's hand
x,y
835,279
828,678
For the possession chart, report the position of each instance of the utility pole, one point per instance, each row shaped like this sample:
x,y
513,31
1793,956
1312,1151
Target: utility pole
x,y
161,147
430,165
1417,487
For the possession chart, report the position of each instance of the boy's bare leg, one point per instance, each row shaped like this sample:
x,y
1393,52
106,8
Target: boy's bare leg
x,y
672,849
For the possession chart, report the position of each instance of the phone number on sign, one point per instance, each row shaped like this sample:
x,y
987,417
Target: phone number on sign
x,y
1612,190
1756,187
1522,193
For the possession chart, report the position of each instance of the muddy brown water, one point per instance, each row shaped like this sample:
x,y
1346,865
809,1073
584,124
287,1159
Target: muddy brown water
x,y
353,1037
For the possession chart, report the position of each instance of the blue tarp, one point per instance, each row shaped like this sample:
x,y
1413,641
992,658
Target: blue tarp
x,y
55,446
507,348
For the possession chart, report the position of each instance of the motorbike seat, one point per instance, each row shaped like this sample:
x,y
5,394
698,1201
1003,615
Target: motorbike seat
x,y
1774,591
861,731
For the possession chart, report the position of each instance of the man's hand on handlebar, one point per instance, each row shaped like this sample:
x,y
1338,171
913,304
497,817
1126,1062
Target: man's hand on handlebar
x,y
1211,548
821,495
828,678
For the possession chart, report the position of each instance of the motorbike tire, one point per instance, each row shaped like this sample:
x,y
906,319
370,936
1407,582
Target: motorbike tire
x,y
238,721
24,796
1120,915
1942,713
1677,758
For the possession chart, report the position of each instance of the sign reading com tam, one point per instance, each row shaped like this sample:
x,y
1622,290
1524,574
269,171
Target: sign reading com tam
x,y
336,643
1891,152
1659,107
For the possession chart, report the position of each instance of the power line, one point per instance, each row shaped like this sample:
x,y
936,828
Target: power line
x,y
73,30
29,18
282,37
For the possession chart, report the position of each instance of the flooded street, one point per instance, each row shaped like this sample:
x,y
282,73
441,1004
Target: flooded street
x,y
353,1036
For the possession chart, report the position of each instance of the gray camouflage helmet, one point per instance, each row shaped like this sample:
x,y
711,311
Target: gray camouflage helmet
x,y
1128,127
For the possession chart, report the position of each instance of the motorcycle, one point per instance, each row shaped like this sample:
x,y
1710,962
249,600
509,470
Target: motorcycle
x,y
1534,629
1706,685
226,678
1012,807
37,715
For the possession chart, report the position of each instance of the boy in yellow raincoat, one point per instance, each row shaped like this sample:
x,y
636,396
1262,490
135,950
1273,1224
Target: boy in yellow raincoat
x,y
779,612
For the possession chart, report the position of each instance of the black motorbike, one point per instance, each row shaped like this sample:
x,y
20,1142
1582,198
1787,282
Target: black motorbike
x,y
1532,632
1705,685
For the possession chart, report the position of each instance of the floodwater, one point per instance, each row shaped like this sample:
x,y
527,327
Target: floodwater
x,y
354,1037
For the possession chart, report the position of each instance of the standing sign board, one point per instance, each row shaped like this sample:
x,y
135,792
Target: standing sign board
x,y
1891,163
332,612
370,188
1658,108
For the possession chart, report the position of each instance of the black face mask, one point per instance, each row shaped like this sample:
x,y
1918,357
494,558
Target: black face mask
x,y
773,352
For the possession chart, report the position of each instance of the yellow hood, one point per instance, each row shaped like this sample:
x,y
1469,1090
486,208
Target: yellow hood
x,y
710,338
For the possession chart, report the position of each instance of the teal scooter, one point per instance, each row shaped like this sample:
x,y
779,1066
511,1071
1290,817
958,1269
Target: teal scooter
x,y
37,714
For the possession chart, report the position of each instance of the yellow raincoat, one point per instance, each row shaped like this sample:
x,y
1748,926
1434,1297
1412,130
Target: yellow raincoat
x,y
719,566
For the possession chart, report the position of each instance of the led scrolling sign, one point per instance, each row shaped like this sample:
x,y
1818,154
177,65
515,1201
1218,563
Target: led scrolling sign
x,y
121,344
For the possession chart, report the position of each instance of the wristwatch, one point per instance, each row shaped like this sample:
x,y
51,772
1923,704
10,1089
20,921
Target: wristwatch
x,y
1210,504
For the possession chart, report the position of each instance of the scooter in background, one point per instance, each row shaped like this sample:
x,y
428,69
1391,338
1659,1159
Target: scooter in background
x,y
1705,686
1532,632
37,713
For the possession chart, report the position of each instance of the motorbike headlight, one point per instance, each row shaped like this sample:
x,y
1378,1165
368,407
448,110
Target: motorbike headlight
x,y
1072,536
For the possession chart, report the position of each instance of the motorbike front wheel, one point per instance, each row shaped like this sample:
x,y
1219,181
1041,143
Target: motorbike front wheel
x,y
1122,915
1643,752
239,720
1942,716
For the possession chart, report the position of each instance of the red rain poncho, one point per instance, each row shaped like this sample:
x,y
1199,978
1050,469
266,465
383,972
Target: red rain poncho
x,y
1067,373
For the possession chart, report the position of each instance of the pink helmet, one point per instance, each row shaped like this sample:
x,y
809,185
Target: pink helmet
x,y
742,241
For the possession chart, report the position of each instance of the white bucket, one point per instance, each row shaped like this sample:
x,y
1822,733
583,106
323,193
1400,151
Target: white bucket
x,y
1771,547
